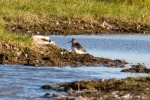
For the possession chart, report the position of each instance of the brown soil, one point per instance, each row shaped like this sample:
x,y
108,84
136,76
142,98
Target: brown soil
x,y
49,55
122,89
71,26
137,69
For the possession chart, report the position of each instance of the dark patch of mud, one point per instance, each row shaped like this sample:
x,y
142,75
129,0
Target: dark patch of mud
x,y
50,25
49,55
137,69
112,89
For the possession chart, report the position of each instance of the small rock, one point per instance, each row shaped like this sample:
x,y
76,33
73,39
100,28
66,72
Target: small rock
x,y
46,87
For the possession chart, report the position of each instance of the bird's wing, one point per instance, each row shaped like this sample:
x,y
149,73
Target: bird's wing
x,y
44,39
79,46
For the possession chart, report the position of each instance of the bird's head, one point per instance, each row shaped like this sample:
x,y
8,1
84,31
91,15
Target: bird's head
x,y
73,40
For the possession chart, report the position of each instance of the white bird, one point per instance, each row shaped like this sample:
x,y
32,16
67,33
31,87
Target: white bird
x,y
77,47
39,39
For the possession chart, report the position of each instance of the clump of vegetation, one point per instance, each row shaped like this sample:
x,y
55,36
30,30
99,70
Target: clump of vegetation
x,y
7,36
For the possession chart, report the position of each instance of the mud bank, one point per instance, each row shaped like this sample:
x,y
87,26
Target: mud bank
x,y
130,88
72,25
137,69
49,55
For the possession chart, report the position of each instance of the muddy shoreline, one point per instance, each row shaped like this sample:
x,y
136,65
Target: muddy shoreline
x,y
130,88
49,55
54,25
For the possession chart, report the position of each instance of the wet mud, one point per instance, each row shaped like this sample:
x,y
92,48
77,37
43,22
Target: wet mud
x,y
49,25
137,69
50,55
130,88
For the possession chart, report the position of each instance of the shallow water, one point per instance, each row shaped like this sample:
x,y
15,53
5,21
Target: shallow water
x,y
132,48
24,82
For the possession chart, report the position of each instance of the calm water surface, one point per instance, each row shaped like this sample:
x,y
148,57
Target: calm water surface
x,y
24,82
132,48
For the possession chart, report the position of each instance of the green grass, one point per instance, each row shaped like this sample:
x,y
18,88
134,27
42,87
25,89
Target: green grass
x,y
6,36
94,8
125,9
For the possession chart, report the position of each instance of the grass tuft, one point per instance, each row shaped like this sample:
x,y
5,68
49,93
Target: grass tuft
x,y
6,36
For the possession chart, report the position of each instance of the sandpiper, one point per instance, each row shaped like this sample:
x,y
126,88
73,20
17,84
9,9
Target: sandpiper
x,y
77,47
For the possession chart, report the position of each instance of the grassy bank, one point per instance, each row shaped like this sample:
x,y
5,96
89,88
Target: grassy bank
x,y
34,10
85,8
7,36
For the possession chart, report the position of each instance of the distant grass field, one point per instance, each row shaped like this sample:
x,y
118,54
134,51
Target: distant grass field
x,y
125,9
92,8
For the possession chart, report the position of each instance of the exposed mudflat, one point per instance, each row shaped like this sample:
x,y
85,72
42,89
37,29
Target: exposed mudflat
x,y
112,89
137,69
49,25
49,55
